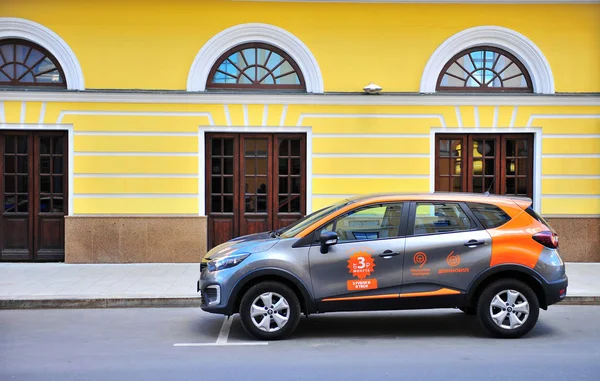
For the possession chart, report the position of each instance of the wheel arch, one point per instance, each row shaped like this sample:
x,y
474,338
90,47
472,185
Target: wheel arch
x,y
514,271
272,275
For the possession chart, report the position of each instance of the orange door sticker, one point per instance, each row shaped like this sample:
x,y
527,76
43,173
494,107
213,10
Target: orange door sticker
x,y
453,260
366,284
420,259
361,265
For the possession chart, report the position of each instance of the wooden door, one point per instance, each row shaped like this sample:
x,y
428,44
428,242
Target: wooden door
x,y
16,222
33,195
254,183
50,196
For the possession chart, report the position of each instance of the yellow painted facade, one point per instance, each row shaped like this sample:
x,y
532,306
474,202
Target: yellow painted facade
x,y
128,149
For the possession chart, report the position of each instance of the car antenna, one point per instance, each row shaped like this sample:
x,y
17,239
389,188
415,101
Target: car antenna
x,y
487,192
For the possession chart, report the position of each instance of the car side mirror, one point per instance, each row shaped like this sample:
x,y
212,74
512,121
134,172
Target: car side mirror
x,y
327,239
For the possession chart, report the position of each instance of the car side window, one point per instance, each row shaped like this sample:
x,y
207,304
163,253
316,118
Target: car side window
x,y
490,216
378,221
434,218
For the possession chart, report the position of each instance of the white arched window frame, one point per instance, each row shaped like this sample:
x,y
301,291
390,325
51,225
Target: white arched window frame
x,y
517,44
11,27
254,32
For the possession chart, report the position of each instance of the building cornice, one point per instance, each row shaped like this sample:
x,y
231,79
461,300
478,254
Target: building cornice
x,y
342,99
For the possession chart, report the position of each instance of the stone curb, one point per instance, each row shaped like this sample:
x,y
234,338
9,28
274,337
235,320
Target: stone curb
x,y
170,302
134,302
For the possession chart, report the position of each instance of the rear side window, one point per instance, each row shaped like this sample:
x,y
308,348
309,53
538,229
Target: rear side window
x,y
489,215
537,217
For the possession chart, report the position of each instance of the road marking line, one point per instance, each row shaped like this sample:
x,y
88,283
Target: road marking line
x,y
220,345
225,328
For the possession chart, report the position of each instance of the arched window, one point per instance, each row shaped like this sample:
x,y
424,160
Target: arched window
x,y
484,69
256,66
23,63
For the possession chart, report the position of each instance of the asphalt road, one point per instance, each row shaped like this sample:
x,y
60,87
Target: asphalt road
x,y
139,344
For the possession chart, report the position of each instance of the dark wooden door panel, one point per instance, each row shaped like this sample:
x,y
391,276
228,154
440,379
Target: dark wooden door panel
x,y
16,222
289,179
50,196
254,183
256,164
220,229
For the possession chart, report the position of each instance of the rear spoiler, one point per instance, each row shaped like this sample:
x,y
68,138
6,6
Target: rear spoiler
x,y
522,202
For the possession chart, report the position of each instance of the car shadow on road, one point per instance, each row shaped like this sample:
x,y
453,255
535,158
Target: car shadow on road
x,y
447,323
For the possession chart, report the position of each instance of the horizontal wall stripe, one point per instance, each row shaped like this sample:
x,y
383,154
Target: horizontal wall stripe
x,y
562,196
303,116
148,143
571,206
133,133
371,145
571,156
562,186
574,166
135,206
370,136
569,126
370,155
137,175
344,186
329,176
136,195
568,177
194,154
346,126
132,113
136,164
141,185
560,116
571,146
372,166
133,123
570,136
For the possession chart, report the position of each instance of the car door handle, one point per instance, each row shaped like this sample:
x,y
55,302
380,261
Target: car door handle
x,y
388,254
474,242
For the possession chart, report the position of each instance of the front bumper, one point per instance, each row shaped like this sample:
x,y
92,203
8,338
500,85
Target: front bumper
x,y
556,291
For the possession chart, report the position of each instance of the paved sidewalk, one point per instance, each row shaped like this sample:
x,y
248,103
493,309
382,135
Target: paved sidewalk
x,y
59,285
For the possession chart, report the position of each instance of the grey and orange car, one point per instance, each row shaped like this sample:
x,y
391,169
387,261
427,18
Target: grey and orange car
x,y
492,256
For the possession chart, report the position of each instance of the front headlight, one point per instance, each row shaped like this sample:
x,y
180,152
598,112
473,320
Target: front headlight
x,y
226,262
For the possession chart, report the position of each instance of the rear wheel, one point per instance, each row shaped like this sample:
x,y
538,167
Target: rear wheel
x,y
269,311
508,308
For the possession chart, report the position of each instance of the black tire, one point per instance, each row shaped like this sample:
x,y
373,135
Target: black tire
x,y
469,310
485,301
265,287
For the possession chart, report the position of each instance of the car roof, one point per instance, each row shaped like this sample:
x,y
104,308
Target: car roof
x,y
441,196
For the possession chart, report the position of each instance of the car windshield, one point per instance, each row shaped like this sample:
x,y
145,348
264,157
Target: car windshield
x,y
295,228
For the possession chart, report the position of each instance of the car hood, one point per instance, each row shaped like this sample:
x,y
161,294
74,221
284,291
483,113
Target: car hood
x,y
253,243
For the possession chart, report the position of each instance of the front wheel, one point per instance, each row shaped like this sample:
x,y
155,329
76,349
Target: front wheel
x,y
508,308
269,311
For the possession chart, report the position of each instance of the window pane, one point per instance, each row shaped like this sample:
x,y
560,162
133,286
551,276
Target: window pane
x,y
216,184
215,204
23,204
57,186
22,184
440,218
490,216
10,205
57,205
9,184
375,222
21,144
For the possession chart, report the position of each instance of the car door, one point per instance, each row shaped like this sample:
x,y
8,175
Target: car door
x,y
368,258
446,247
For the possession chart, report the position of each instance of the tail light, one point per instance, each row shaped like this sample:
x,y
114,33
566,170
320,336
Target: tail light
x,y
547,238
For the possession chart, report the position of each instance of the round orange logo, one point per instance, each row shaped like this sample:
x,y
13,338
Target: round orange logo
x,y
361,265
420,259
453,260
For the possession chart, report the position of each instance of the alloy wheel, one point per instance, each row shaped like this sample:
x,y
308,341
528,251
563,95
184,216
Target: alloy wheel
x,y
509,309
270,312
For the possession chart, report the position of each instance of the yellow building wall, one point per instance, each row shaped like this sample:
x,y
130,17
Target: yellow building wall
x,y
144,158
151,44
